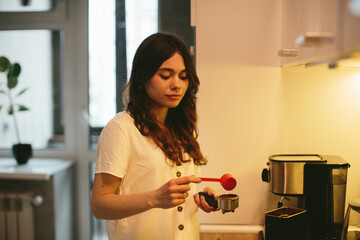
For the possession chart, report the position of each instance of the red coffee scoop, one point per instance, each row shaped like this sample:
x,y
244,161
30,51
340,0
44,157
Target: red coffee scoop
x,y
227,181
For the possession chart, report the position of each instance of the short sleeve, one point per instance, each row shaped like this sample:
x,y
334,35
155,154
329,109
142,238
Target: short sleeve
x,y
113,150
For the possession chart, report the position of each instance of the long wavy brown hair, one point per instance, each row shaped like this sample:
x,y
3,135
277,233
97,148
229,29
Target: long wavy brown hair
x,y
180,133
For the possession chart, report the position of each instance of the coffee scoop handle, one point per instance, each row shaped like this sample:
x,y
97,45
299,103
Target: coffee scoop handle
x,y
211,200
210,179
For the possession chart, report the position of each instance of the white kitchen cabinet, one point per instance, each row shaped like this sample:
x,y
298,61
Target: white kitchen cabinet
x,y
289,31
311,31
37,200
237,32
351,25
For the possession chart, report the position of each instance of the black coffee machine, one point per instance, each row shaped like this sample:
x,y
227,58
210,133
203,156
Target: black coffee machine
x,y
319,183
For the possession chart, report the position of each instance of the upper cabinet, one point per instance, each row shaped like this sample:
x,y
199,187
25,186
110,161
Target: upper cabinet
x,y
317,31
351,25
237,32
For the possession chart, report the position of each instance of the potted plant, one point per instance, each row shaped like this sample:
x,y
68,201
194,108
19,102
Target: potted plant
x,y
21,152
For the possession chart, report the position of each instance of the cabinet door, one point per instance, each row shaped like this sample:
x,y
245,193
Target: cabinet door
x,y
351,25
311,28
290,31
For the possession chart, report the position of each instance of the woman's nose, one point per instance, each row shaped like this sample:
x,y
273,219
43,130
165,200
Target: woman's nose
x,y
175,83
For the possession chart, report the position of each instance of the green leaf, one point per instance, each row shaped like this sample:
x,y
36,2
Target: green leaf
x,y
14,70
21,92
2,91
12,82
22,108
13,74
4,64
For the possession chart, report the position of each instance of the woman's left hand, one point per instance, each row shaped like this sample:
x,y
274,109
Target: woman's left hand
x,y
201,202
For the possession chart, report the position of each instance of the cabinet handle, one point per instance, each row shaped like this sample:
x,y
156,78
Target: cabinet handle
x,y
314,39
288,52
37,200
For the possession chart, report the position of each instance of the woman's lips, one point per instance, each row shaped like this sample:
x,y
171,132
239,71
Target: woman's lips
x,y
174,96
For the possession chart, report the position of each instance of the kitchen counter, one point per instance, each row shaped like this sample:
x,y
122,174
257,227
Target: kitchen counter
x,y
35,169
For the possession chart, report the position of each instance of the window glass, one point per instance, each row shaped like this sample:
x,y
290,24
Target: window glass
x,y
140,21
38,53
101,62
26,5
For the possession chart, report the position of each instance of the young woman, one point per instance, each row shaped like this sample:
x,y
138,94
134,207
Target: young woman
x,y
148,155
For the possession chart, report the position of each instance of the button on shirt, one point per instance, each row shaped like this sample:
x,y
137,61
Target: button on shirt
x,y
125,153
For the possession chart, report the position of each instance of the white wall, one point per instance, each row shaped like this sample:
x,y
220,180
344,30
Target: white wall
x,y
250,108
239,104
322,114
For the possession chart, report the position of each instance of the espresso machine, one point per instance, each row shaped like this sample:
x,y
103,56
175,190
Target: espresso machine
x,y
319,184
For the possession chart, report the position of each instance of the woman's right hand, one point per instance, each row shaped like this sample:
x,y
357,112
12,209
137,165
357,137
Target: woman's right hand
x,y
174,192
106,204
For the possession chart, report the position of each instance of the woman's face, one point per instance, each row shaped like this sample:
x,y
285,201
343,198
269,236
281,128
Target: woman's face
x,y
169,84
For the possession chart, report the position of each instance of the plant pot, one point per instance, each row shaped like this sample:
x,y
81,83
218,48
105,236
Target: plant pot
x,y
22,152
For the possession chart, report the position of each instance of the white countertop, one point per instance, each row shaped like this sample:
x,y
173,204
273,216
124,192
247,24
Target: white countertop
x,y
35,169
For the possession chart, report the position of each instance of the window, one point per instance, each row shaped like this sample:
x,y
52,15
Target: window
x,y
34,50
26,39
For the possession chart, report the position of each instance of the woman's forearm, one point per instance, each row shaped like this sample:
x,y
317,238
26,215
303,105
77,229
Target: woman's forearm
x,y
113,206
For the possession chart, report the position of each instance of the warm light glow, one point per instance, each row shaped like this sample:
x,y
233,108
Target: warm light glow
x,y
357,79
352,62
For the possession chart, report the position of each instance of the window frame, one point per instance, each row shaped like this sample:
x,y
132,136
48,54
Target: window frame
x,y
24,20
56,19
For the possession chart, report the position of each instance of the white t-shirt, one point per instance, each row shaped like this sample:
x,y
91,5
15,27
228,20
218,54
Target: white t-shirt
x,y
125,153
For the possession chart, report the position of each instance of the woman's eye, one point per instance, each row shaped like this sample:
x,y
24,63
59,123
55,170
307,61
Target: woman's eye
x,y
183,76
164,76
